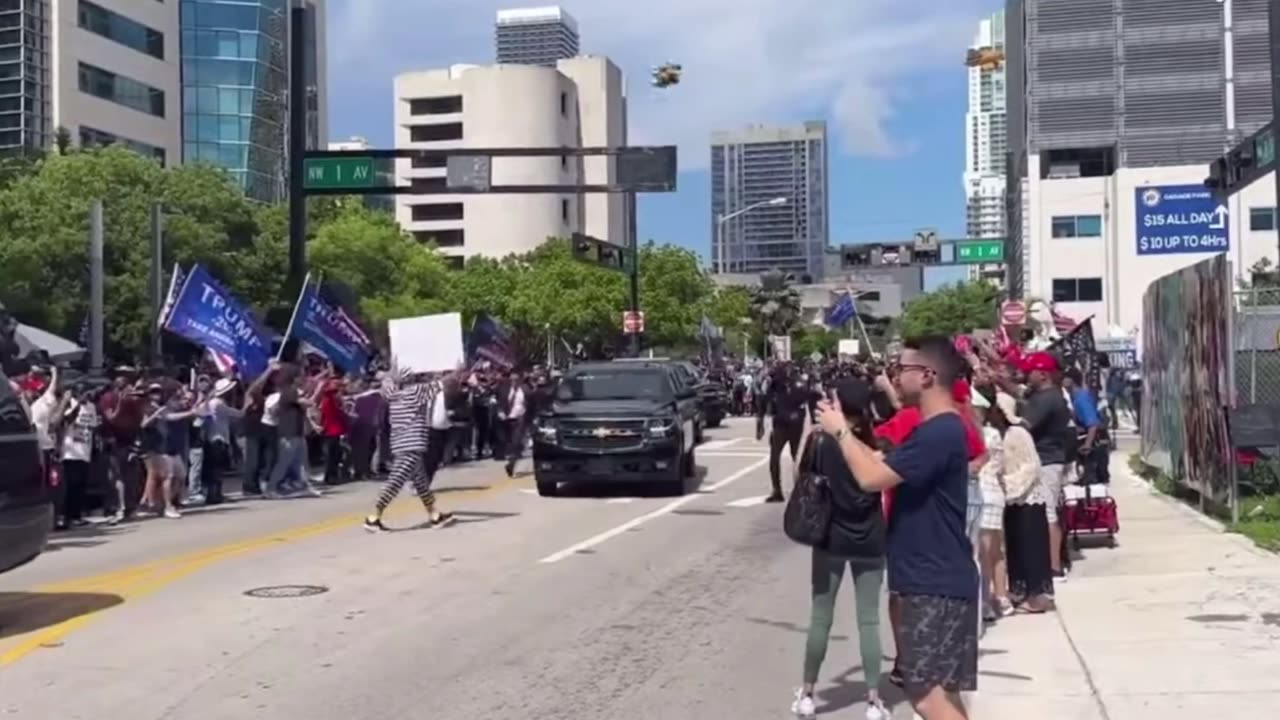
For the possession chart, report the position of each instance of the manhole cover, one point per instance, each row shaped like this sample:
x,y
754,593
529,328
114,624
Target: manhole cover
x,y
286,591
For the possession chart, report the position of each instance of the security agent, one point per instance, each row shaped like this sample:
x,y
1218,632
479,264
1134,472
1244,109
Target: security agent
x,y
786,399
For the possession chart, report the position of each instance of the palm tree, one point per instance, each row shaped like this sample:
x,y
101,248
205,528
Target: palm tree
x,y
775,305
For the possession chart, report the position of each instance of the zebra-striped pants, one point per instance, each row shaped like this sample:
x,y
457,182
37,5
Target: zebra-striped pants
x,y
407,467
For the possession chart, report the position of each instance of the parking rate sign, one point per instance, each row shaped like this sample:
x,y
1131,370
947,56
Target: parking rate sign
x,y
1180,219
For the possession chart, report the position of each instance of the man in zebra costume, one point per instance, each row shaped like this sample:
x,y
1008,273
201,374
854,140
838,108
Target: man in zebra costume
x,y
413,402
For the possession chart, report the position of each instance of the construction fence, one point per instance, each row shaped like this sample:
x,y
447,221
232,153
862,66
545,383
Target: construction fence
x,y
1211,377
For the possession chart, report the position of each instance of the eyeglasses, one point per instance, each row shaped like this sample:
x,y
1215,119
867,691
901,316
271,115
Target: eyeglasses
x,y
898,368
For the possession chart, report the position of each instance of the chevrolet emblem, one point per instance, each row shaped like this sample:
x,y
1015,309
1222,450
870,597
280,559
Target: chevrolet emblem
x,y
602,432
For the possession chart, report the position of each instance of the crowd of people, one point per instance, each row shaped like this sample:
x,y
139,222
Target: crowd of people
x,y
947,468
140,444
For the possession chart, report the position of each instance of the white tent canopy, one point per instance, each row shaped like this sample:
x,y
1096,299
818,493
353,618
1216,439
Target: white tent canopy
x,y
59,348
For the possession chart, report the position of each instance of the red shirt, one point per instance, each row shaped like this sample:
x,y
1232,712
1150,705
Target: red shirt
x,y
904,422
333,418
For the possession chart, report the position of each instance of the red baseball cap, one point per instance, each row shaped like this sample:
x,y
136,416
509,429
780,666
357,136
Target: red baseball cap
x,y
1039,361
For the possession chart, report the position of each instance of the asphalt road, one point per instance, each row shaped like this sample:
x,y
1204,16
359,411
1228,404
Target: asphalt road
x,y
603,604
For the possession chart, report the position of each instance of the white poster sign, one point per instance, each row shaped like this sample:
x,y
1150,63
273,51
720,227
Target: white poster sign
x,y
848,348
431,343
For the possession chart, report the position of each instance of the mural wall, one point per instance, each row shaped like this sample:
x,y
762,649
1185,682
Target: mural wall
x,y
1186,352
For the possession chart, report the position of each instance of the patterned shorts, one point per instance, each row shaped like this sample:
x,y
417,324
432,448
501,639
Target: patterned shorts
x,y
939,646
992,517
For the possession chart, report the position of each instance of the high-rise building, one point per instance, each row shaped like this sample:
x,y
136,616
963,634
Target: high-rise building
x,y
986,141
104,72
578,103
535,36
1115,109
758,167
235,88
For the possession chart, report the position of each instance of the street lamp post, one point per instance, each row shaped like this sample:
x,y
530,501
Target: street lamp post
x,y
722,219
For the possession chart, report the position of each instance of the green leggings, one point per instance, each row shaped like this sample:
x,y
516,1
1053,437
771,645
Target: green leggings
x,y
828,573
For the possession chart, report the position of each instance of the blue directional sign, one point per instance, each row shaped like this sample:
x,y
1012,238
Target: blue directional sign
x,y
1178,219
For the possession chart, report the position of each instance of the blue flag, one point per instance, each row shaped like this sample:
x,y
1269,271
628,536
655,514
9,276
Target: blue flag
x,y
207,315
489,341
331,331
842,312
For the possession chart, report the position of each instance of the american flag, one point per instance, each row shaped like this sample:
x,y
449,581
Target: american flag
x,y
1062,323
225,363
176,281
1078,349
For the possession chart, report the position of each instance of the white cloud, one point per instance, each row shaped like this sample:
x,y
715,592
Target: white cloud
x,y
745,61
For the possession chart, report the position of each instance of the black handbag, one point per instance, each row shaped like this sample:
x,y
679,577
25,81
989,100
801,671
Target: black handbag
x,y
807,517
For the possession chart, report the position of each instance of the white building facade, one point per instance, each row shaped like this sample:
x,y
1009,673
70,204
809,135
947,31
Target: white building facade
x,y
986,145
115,74
1098,242
579,103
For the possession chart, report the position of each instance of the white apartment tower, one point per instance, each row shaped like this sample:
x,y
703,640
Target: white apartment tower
x,y
578,103
535,36
986,141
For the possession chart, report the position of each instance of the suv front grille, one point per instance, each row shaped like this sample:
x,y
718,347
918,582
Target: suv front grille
x,y
602,436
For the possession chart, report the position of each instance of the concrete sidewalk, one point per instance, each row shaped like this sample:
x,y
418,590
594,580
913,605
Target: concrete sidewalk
x,y
1180,621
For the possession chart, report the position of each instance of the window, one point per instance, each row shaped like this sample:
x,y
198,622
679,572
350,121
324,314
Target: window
x,y
428,183
442,238
564,104
1262,218
454,262
1077,289
435,133
1077,226
869,296
436,105
118,28
428,161
437,211
121,90
89,137
564,210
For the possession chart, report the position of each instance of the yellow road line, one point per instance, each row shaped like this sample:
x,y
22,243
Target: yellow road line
x,y
140,580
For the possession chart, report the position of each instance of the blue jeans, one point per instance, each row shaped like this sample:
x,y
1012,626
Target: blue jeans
x,y
291,457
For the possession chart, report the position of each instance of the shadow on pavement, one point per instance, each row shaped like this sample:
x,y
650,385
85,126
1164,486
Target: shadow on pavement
x,y
24,612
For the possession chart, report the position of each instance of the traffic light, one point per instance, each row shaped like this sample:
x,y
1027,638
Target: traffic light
x,y
1248,161
598,252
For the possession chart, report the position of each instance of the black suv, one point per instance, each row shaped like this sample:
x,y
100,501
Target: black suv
x,y
26,511
617,422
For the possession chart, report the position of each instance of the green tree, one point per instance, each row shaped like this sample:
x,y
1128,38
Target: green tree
x,y
776,305
44,236
674,292
393,275
812,338
951,309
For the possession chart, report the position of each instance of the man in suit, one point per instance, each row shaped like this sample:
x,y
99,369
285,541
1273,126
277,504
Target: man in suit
x,y
513,407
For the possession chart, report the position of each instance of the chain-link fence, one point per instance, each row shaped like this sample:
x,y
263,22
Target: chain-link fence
x,y
1257,346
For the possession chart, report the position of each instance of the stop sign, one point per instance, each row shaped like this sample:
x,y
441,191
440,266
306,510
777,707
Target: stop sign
x,y
1013,312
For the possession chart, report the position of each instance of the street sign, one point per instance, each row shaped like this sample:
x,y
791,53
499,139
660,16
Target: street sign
x,y
1180,219
980,251
338,172
633,322
1013,312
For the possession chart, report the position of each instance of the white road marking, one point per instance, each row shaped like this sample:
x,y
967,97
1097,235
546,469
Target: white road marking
x,y
719,444
747,502
638,521
528,491
730,454
619,501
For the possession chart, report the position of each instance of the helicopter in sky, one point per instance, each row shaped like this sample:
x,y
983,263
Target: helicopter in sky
x,y
666,75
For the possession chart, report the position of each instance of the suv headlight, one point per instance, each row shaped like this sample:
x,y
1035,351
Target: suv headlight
x,y
546,429
661,427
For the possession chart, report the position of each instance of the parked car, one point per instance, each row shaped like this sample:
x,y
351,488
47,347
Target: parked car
x,y
26,506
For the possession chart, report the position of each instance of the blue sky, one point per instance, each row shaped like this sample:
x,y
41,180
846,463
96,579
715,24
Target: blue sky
x,y
886,75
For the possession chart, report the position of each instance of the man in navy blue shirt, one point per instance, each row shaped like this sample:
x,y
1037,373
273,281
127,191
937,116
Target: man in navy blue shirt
x,y
1094,448
931,565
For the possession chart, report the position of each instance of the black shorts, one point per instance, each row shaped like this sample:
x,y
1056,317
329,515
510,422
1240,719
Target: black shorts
x,y
939,645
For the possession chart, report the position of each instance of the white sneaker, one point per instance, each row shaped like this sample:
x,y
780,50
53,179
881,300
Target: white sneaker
x,y
878,712
172,514
803,705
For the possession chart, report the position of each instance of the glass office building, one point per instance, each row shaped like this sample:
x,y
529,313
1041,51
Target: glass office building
x,y
25,91
235,88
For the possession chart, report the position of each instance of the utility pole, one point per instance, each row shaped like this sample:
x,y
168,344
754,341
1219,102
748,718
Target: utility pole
x,y
297,146
97,360
156,280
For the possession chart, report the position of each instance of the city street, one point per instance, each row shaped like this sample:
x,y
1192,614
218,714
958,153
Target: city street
x,y
594,605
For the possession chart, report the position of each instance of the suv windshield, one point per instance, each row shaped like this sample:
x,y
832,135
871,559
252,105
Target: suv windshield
x,y
611,384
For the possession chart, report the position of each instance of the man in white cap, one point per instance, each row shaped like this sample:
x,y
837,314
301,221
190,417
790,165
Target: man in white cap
x,y
217,439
